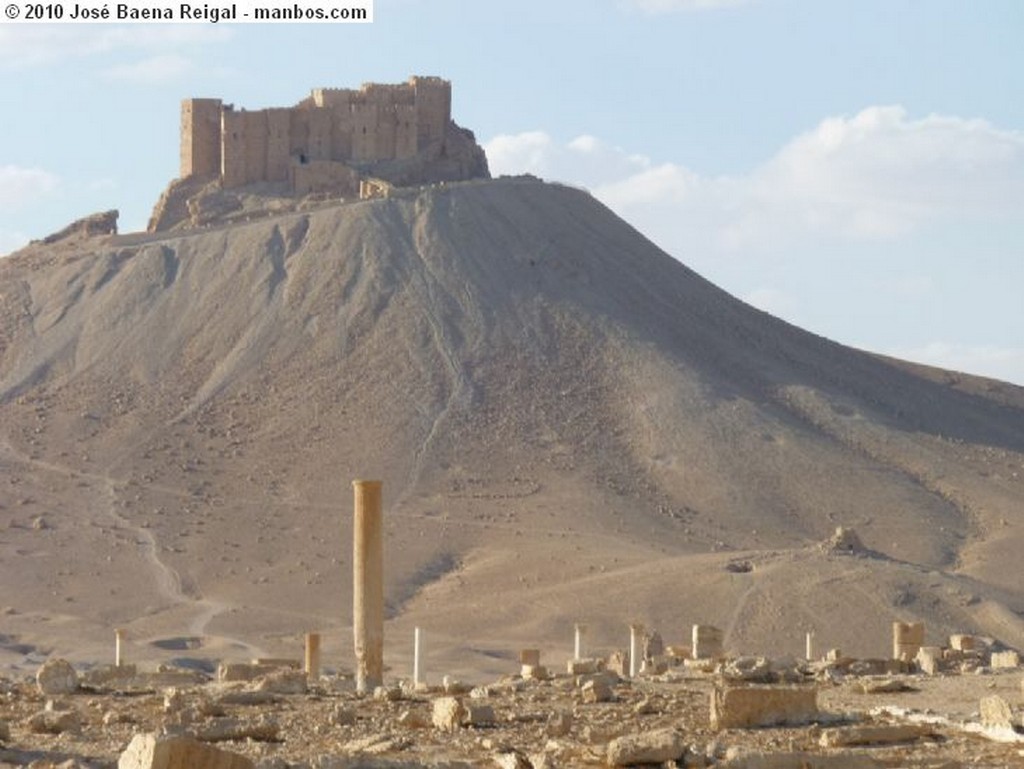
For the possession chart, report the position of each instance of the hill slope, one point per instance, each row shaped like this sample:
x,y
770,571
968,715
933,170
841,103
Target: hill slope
x,y
570,426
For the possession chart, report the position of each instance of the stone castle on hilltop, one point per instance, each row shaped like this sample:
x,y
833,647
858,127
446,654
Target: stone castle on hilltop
x,y
338,142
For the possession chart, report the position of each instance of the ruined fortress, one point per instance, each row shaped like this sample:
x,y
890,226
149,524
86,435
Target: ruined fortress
x,y
338,142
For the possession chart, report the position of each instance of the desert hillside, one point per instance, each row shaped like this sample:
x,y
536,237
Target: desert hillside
x,y
571,426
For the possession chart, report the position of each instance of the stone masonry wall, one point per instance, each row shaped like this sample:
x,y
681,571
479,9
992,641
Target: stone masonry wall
x,y
376,123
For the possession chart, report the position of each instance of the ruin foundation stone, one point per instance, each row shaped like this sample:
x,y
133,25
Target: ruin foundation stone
x,y
753,706
148,751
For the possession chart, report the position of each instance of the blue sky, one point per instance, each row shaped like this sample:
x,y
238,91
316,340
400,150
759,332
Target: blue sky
x,y
856,168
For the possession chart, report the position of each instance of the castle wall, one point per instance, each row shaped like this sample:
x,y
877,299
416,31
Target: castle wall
x,y
406,131
318,144
200,137
324,176
233,150
255,146
364,132
278,144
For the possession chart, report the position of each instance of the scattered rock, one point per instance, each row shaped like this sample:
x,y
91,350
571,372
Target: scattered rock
x,y
478,715
54,722
448,714
56,676
559,724
596,690
881,734
653,747
512,759
283,681
996,712
148,751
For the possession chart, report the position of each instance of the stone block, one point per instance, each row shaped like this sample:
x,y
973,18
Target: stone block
x,y
654,747
447,714
619,662
529,657
800,761
707,642
474,714
963,642
1007,659
996,712
534,672
907,638
243,671
581,667
880,734
929,659
148,751
56,676
754,706
105,676
284,681
596,690
277,662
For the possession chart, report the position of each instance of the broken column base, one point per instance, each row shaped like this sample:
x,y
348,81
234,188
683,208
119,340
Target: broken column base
x,y
745,707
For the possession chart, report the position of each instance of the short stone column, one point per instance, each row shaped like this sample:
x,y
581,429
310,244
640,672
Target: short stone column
x,y
707,642
312,661
577,649
417,669
118,646
907,638
368,585
809,646
636,632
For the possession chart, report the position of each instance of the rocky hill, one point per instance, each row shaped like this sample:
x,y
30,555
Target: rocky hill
x,y
571,426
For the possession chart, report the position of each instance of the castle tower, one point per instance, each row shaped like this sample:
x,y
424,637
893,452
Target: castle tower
x,y
200,137
433,108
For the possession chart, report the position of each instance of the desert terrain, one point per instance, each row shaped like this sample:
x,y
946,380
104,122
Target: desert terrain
x,y
571,426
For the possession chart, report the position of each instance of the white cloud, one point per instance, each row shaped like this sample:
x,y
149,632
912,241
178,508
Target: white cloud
x,y
20,186
155,69
874,176
1005,363
23,45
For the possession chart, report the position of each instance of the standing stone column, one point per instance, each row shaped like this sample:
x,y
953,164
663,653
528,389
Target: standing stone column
x,y
312,660
118,643
636,630
368,585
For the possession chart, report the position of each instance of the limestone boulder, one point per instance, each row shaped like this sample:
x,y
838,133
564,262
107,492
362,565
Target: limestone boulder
x,y
448,714
996,712
149,751
54,722
596,690
654,747
56,677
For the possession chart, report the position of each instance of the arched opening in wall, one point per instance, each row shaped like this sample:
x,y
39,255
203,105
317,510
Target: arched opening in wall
x,y
364,129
